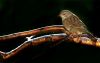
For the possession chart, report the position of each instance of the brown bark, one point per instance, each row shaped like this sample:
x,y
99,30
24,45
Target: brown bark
x,y
47,29
53,38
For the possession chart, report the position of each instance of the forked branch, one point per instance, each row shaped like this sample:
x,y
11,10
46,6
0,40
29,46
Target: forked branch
x,y
53,38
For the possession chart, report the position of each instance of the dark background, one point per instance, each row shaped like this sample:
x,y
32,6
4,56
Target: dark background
x,y
21,15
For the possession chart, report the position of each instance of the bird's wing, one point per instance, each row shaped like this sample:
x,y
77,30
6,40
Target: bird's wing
x,y
74,23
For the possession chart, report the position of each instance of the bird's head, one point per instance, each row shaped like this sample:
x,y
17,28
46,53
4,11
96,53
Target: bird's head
x,y
65,14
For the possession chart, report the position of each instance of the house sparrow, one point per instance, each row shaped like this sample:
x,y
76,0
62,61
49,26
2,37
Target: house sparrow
x,y
73,25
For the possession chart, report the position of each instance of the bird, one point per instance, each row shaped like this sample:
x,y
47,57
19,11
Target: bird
x,y
73,25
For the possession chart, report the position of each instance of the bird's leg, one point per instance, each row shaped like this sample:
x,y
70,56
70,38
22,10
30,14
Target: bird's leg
x,y
77,37
74,37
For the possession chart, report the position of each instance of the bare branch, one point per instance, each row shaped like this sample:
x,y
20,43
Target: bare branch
x,y
54,39
53,28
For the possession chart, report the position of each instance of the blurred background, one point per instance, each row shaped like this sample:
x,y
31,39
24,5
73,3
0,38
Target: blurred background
x,y
22,15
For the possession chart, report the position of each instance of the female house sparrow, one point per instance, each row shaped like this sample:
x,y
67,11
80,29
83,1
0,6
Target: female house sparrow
x,y
73,25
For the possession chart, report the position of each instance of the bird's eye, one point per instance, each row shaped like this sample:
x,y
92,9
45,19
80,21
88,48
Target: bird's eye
x,y
64,14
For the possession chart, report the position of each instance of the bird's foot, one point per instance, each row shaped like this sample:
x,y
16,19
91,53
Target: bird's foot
x,y
74,37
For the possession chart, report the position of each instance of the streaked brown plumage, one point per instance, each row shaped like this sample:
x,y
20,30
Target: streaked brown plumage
x,y
73,24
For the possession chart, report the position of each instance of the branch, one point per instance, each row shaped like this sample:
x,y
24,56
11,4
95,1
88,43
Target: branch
x,y
53,28
54,39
